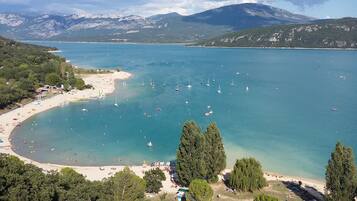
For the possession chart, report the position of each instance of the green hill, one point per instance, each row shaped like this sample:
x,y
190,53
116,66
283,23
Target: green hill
x,y
337,33
25,67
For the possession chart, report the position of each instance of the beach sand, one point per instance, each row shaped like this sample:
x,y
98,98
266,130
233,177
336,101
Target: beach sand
x,y
103,84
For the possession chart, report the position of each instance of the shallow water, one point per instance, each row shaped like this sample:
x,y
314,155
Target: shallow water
x,y
285,119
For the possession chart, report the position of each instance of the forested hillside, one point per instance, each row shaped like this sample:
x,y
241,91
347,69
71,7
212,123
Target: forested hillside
x,y
339,33
24,68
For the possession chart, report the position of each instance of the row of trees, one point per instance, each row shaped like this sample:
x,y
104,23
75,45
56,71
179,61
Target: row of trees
x,y
201,158
26,182
24,67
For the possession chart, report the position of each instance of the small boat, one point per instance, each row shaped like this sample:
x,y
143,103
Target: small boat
x,y
247,88
334,109
207,114
207,84
84,110
210,112
116,102
177,88
149,144
186,102
189,86
219,90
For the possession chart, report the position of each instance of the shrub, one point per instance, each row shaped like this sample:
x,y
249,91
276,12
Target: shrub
x,y
200,190
247,175
265,198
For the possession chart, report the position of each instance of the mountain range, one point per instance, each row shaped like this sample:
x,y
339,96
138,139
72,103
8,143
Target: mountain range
x,y
171,27
332,33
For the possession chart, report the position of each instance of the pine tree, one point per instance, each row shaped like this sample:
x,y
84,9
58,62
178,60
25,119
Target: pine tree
x,y
215,155
341,175
190,154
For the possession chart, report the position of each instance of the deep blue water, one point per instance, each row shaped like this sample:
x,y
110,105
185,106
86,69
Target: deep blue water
x,y
285,119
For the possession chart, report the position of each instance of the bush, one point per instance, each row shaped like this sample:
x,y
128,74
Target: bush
x,y
200,190
247,175
265,198
153,179
80,84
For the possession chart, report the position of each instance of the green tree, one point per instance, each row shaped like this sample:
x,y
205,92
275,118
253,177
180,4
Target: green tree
x,y
263,197
215,155
190,155
247,175
153,179
127,186
80,84
200,190
53,79
341,175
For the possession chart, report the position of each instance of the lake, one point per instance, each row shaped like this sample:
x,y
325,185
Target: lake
x,y
287,108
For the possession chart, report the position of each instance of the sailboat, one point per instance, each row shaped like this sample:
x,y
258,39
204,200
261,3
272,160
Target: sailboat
x,y
247,88
177,88
207,84
149,144
219,89
189,86
116,102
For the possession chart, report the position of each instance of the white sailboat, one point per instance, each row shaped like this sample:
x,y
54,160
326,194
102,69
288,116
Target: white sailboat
x,y
149,144
116,102
219,89
207,84
247,88
189,86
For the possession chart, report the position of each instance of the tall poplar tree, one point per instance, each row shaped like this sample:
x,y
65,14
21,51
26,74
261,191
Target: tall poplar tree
x,y
215,155
190,154
341,175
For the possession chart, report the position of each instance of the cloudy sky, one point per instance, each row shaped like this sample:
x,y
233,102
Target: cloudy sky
x,y
314,8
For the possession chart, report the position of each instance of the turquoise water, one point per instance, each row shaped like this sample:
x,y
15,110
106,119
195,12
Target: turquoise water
x,y
285,119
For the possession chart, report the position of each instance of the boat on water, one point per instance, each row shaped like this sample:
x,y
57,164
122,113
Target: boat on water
x,y
247,88
177,88
149,144
207,84
219,89
84,110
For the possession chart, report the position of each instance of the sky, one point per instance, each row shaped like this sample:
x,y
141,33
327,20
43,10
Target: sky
x,y
313,8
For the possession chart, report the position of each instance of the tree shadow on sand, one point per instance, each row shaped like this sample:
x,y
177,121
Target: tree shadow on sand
x,y
307,193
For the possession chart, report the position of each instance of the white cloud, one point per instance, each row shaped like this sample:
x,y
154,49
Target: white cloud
x,y
184,7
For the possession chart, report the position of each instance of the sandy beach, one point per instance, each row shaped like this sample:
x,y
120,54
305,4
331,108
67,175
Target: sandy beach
x,y
103,84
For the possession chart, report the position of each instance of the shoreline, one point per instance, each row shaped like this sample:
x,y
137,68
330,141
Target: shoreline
x,y
191,45
103,84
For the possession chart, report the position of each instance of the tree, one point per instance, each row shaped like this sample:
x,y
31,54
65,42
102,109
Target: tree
x,y
200,190
80,84
190,154
53,79
247,175
127,186
215,155
341,175
153,179
263,197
